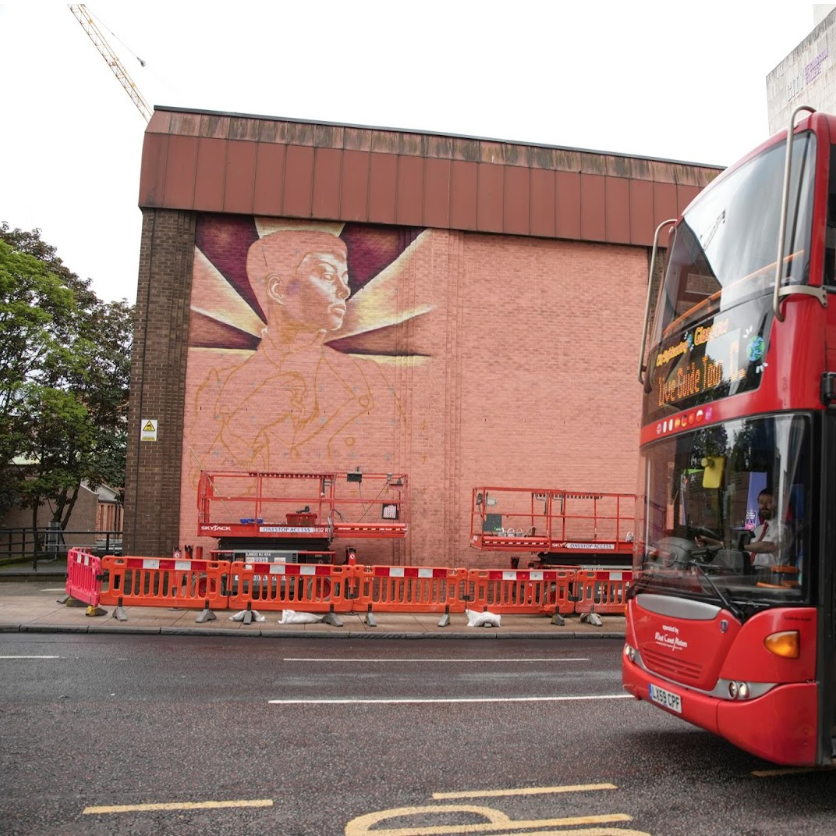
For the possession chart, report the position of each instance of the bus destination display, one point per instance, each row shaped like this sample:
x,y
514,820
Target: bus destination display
x,y
719,357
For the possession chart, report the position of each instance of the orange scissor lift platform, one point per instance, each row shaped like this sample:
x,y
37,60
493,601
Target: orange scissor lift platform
x,y
561,527
300,510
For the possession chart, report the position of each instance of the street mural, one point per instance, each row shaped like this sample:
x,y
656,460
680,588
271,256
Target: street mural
x,y
297,332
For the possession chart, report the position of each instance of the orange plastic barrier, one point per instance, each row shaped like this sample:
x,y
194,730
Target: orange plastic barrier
x,y
521,590
308,587
409,589
84,577
163,582
601,591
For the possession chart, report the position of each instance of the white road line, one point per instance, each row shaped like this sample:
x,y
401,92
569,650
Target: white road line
x,y
177,805
30,657
438,796
408,700
456,661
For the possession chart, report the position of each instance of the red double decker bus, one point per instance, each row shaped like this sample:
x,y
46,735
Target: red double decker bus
x,y
730,619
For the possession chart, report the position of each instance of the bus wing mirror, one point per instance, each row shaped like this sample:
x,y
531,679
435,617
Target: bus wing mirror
x,y
642,367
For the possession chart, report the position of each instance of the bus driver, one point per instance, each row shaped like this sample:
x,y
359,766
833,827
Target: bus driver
x,y
769,545
770,538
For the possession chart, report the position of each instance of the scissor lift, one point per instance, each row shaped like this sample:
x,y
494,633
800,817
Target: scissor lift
x,y
561,528
295,517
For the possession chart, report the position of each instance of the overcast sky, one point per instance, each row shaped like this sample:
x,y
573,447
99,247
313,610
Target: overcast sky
x,y
683,81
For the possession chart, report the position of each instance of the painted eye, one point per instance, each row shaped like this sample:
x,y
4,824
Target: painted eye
x,y
326,274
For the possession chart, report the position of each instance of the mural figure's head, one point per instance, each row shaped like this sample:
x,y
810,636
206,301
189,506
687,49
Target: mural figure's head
x,y
300,278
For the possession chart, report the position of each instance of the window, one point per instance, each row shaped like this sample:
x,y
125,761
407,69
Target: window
x,y
725,249
702,505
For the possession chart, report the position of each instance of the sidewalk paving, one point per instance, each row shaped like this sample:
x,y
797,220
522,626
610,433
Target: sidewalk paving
x,y
30,601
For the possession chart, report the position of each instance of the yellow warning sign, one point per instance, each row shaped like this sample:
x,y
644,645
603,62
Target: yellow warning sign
x,y
148,429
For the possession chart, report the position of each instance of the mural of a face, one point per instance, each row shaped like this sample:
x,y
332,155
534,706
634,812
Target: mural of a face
x,y
315,297
301,279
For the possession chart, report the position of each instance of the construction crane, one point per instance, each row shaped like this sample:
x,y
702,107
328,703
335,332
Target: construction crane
x,y
99,41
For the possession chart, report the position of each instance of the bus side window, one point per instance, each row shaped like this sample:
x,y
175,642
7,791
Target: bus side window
x,y
830,230
796,524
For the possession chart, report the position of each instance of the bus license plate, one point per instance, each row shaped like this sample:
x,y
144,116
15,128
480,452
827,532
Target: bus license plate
x,y
666,698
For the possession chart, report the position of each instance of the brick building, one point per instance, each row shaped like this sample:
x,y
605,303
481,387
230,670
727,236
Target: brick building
x,y
485,331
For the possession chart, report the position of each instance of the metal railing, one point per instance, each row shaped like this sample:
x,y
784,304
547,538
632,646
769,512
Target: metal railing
x,y
50,543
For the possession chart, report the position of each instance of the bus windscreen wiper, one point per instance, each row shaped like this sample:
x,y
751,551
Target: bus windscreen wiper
x,y
726,602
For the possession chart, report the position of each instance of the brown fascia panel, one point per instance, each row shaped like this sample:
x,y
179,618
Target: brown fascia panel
x,y
617,209
298,181
409,191
239,164
239,186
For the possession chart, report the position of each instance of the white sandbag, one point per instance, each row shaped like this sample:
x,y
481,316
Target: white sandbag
x,y
482,619
248,615
293,617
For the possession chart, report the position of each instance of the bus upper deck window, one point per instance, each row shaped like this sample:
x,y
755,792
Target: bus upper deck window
x,y
830,230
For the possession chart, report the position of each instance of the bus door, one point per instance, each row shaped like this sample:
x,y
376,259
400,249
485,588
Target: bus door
x,y
827,501
826,539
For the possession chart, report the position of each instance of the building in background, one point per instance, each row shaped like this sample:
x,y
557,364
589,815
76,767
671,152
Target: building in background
x,y
807,76
321,298
96,513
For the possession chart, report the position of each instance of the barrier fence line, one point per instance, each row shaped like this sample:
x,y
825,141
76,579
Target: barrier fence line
x,y
522,590
84,577
352,588
161,582
410,589
601,591
298,586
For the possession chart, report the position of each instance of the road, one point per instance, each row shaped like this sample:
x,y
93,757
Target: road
x,y
320,737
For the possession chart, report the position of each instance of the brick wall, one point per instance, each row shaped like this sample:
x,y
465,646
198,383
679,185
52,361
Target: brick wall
x,y
519,371
536,384
152,498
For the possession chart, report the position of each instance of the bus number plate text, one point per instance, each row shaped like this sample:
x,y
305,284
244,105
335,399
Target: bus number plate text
x,y
666,698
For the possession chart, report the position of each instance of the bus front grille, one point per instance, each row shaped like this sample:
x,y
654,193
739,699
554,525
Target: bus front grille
x,y
668,666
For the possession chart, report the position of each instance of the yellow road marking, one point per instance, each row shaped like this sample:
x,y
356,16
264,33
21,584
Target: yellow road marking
x,y
497,822
525,791
178,805
791,770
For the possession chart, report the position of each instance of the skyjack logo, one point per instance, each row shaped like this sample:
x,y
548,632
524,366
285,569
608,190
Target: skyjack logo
x,y
215,528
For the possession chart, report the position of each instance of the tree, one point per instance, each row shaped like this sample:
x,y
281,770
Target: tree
x,y
64,379
31,299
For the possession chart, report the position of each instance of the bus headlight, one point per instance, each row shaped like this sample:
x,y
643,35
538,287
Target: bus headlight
x,y
739,690
630,653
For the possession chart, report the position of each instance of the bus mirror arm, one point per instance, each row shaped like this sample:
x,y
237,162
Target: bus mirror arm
x,y
782,229
642,366
827,391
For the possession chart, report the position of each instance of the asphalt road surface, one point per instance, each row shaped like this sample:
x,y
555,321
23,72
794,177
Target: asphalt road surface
x,y
315,737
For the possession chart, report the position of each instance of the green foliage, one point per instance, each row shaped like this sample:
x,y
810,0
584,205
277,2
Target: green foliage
x,y
64,379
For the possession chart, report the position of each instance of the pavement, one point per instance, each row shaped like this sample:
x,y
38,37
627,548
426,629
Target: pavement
x,y
32,600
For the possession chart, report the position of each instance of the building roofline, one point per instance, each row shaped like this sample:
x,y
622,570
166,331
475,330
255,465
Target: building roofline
x,y
288,120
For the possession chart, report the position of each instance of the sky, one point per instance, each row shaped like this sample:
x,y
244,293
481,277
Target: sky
x,y
679,81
